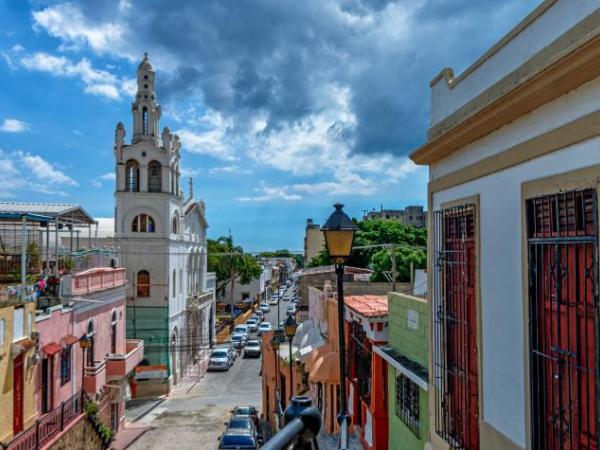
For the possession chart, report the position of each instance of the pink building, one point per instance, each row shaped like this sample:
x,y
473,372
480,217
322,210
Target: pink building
x,y
93,306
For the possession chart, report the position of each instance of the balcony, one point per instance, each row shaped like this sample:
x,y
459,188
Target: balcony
x,y
197,301
94,280
118,366
94,377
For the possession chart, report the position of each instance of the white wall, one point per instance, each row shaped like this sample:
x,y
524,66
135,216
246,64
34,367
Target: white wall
x,y
501,287
560,17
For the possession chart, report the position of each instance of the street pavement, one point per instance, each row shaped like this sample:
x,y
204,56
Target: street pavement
x,y
193,416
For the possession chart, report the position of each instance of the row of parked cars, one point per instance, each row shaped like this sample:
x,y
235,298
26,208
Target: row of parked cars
x,y
242,430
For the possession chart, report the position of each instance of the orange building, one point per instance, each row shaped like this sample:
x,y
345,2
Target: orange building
x,y
366,326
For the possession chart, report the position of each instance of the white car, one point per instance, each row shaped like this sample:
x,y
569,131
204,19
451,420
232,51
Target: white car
x,y
265,326
252,325
241,329
264,307
291,309
273,301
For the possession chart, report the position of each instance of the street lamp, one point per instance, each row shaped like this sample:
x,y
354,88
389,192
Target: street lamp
x,y
339,236
275,343
84,343
290,327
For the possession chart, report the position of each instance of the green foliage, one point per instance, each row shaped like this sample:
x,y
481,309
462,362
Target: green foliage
x,y
229,262
33,255
285,253
90,408
411,247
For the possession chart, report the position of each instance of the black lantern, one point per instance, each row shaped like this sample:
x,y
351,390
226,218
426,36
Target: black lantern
x,y
290,326
339,233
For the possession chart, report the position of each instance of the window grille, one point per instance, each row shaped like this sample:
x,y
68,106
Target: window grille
x,y
407,403
65,365
455,328
562,238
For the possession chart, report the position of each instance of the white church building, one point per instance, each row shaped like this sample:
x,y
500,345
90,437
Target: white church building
x,y
161,233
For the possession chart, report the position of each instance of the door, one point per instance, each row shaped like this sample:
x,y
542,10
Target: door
x,y
455,327
563,302
18,394
45,402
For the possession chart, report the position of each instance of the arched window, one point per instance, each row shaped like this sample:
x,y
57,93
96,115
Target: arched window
x,y
154,177
145,120
181,281
174,283
113,333
132,176
143,283
143,223
174,223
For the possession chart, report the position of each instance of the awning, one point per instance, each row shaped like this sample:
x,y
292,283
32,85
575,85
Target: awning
x,y
69,339
411,369
313,356
326,369
51,349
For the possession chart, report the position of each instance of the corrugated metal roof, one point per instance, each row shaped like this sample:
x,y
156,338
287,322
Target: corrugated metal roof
x,y
75,213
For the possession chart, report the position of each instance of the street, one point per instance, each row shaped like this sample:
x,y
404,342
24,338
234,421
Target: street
x,y
193,416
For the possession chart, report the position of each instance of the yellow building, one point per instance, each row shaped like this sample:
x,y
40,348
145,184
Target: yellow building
x,y
17,366
313,241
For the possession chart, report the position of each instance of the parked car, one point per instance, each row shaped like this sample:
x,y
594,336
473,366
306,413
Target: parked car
x,y
238,439
273,301
252,324
252,349
220,359
264,307
241,422
241,329
230,347
291,309
246,410
264,326
239,340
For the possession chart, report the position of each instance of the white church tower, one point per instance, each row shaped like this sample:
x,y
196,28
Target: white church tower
x,y
162,238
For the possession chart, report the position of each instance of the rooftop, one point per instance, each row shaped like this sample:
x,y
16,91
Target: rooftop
x,y
368,305
65,212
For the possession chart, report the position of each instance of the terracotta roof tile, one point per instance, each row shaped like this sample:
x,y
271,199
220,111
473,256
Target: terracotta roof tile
x,y
368,305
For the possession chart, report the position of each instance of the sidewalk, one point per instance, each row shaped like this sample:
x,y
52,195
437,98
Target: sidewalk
x,y
128,435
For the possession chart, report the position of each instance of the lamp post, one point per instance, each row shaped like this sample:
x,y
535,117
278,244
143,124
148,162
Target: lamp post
x,y
84,343
290,330
339,236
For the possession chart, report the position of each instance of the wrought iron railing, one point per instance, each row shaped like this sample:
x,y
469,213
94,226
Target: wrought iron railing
x,y
302,425
48,426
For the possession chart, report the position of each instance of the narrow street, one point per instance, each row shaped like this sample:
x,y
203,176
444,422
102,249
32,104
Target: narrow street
x,y
194,415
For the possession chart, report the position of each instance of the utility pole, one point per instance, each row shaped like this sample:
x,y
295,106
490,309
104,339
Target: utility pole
x,y
394,271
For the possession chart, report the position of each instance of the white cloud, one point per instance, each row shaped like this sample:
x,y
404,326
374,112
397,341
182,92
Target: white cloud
x,y
229,169
208,137
26,173
97,182
66,22
14,126
96,81
45,171
267,193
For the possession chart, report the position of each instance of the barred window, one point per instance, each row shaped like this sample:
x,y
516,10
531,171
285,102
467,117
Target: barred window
x,y
407,403
65,365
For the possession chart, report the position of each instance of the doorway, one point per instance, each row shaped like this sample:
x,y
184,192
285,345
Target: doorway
x,y
18,394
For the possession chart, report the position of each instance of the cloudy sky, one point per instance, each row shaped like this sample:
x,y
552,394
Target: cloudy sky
x,y
283,106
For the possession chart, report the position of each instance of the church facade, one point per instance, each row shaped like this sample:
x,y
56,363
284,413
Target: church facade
x,y
161,233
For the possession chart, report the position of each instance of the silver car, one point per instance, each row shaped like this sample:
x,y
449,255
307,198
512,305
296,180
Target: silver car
x,y
220,359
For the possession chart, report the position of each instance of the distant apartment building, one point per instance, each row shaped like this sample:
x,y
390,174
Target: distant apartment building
x,y
313,241
411,215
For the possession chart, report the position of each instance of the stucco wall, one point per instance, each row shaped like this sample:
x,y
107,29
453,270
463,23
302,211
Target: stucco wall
x,y
502,353
411,341
7,373
556,20
400,437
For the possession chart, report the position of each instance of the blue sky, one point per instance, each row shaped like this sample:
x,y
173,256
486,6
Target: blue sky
x,y
283,107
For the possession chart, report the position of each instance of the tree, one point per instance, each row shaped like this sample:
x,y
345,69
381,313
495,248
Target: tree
x,y
230,263
411,242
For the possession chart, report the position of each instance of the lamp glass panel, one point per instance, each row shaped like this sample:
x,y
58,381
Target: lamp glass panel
x,y
339,242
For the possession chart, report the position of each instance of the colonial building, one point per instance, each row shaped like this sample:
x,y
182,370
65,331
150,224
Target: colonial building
x,y
314,240
411,215
514,163
162,237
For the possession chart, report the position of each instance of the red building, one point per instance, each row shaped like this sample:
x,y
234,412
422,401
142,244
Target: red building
x,y
366,326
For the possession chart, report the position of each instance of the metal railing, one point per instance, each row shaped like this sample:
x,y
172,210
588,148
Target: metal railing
x,y
48,426
302,425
